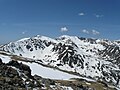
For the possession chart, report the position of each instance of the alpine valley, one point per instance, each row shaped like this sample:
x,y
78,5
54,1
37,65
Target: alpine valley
x,y
63,63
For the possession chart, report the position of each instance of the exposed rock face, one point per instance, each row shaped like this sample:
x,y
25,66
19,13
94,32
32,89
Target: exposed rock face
x,y
113,53
13,76
67,55
24,68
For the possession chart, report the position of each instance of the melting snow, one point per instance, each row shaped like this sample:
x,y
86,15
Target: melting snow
x,y
49,72
5,59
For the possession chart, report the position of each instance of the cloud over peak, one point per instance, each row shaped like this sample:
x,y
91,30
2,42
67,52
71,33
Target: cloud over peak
x,y
64,29
24,32
94,32
98,16
81,14
85,31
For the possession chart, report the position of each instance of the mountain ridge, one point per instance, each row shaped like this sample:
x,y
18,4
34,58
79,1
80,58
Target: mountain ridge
x,y
94,58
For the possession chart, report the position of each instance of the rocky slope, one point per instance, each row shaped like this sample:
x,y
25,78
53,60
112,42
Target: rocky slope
x,y
92,58
17,76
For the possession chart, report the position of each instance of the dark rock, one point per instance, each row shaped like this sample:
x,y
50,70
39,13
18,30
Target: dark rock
x,y
13,77
1,61
21,66
28,46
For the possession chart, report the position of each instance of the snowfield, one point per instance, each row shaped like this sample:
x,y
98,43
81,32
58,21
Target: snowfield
x,y
5,59
49,72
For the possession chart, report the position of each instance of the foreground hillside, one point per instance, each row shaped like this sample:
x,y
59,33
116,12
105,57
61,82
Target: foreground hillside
x,y
18,73
98,60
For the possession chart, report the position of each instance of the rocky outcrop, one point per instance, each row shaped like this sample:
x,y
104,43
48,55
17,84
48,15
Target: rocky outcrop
x,y
22,67
17,76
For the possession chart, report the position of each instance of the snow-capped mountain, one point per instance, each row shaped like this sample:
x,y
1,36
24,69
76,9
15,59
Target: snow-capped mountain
x,y
94,58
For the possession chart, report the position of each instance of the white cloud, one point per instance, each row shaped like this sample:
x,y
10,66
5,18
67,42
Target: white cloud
x,y
85,31
91,32
98,16
94,32
24,32
64,29
81,14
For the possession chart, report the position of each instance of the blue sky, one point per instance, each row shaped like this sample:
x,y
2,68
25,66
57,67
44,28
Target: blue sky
x,y
83,18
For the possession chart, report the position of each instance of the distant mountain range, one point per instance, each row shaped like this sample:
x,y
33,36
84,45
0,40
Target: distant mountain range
x,y
96,59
